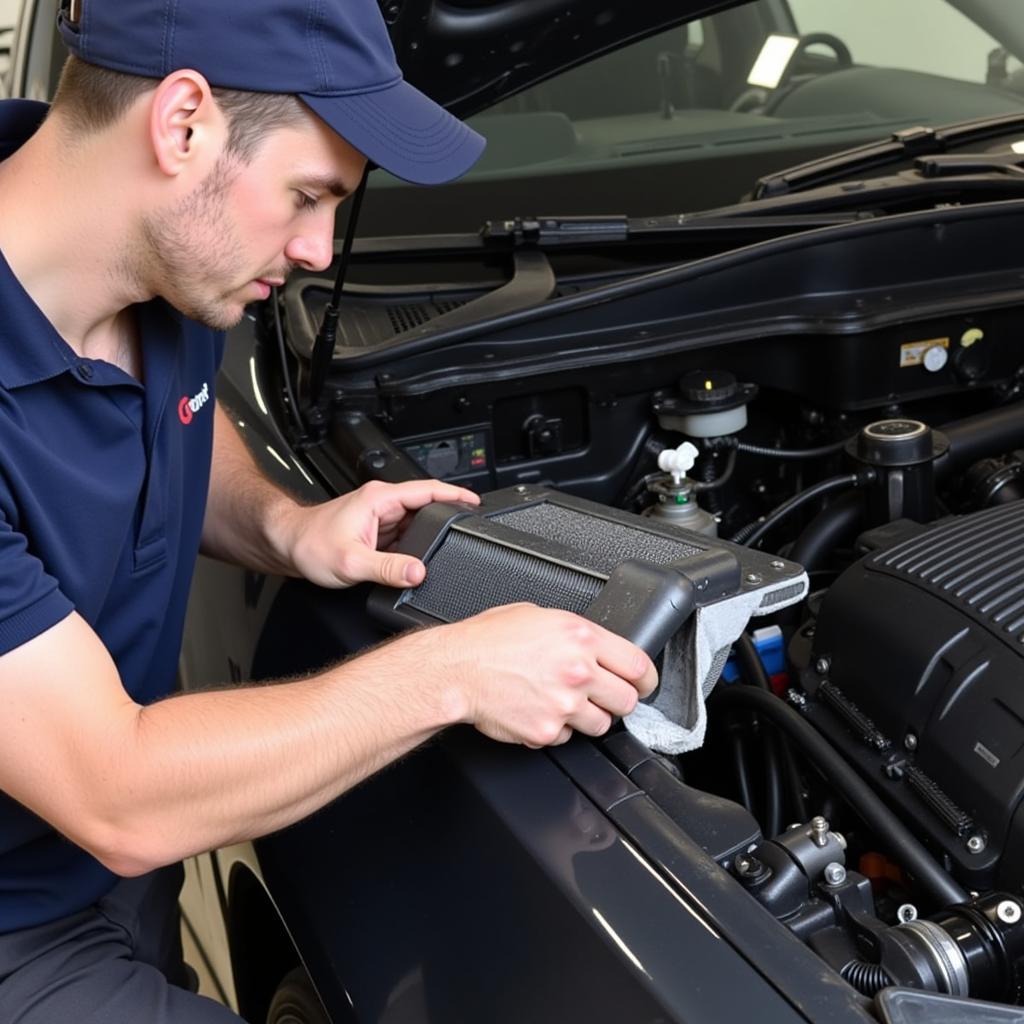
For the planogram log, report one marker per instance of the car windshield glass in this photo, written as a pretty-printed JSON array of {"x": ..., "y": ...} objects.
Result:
[{"x": 691, "y": 117}]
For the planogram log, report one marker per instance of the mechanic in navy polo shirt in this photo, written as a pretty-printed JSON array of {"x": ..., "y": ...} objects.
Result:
[{"x": 195, "y": 154}]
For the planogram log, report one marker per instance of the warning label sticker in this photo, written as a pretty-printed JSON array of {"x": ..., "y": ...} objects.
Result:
[{"x": 912, "y": 353}]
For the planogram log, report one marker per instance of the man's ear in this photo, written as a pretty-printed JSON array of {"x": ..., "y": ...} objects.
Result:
[{"x": 185, "y": 125}]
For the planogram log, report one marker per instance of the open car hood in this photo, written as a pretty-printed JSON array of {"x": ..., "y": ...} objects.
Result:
[{"x": 468, "y": 54}]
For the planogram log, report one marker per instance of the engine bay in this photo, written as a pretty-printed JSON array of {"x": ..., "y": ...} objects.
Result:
[{"x": 859, "y": 776}]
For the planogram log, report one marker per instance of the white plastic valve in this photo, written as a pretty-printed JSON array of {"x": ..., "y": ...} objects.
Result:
[{"x": 678, "y": 461}]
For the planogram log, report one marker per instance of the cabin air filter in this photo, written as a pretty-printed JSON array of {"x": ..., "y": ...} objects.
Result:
[{"x": 673, "y": 592}]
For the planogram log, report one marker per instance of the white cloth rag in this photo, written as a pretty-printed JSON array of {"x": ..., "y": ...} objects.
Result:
[{"x": 675, "y": 719}]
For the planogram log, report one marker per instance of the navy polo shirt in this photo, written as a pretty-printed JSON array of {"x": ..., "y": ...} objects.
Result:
[{"x": 103, "y": 483}]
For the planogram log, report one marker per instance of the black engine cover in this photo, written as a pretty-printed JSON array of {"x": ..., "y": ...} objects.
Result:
[{"x": 919, "y": 677}]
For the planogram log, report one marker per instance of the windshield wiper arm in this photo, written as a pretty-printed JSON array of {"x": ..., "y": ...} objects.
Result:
[
  {"x": 549, "y": 231},
  {"x": 900, "y": 146},
  {"x": 581, "y": 232},
  {"x": 949, "y": 164}
]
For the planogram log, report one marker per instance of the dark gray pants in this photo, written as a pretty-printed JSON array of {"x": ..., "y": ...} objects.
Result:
[{"x": 106, "y": 965}]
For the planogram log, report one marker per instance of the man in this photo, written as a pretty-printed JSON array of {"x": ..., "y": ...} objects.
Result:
[{"x": 195, "y": 154}]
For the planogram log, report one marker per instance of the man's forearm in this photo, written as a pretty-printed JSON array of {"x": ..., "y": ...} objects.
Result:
[
  {"x": 202, "y": 778},
  {"x": 143, "y": 786},
  {"x": 242, "y": 506}
]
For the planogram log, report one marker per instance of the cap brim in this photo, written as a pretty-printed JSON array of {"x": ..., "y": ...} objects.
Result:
[{"x": 402, "y": 130}]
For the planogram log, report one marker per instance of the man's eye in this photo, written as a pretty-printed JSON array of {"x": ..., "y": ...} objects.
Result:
[{"x": 306, "y": 201}]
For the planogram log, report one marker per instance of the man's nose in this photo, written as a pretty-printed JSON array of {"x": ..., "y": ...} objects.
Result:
[{"x": 314, "y": 248}]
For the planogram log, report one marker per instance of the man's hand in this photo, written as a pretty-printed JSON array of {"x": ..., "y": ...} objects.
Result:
[
  {"x": 253, "y": 523},
  {"x": 532, "y": 675},
  {"x": 347, "y": 540}
]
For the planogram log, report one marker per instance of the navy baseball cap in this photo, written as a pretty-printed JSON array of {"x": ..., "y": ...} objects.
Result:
[{"x": 335, "y": 55}]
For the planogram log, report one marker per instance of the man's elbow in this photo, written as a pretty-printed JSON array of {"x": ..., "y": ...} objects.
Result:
[{"x": 125, "y": 851}]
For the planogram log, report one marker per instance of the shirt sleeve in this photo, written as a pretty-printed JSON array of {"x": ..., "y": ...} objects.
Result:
[{"x": 30, "y": 599}]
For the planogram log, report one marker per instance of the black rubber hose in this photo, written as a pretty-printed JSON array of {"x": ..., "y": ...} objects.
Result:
[
  {"x": 739, "y": 756},
  {"x": 791, "y": 453},
  {"x": 791, "y": 773},
  {"x": 772, "y": 824},
  {"x": 639, "y": 487},
  {"x": 902, "y": 843},
  {"x": 867, "y": 978},
  {"x": 780, "y": 767},
  {"x": 827, "y": 530},
  {"x": 753, "y": 532},
  {"x": 973, "y": 438},
  {"x": 709, "y": 483},
  {"x": 751, "y": 665}
]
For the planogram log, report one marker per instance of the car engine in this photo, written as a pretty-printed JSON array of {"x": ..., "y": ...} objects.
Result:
[
  {"x": 894, "y": 713},
  {"x": 858, "y": 775},
  {"x": 899, "y": 704}
]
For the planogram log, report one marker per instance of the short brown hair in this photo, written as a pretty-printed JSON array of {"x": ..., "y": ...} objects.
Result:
[{"x": 92, "y": 98}]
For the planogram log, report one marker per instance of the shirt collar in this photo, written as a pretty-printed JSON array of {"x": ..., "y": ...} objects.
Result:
[{"x": 32, "y": 350}]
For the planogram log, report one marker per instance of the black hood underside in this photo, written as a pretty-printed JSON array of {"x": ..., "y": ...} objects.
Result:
[{"x": 468, "y": 54}]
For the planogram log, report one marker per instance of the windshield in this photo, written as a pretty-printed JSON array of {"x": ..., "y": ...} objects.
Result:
[{"x": 690, "y": 118}]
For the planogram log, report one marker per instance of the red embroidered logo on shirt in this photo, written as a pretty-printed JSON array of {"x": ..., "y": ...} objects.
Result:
[{"x": 188, "y": 407}]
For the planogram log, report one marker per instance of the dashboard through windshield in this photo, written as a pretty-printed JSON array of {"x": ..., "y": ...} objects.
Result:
[{"x": 689, "y": 118}]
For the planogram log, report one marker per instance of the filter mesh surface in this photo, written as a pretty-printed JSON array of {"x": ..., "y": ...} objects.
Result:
[
  {"x": 468, "y": 575},
  {"x": 600, "y": 544}
]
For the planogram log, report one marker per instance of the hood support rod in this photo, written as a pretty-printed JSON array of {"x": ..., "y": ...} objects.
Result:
[{"x": 323, "y": 348}]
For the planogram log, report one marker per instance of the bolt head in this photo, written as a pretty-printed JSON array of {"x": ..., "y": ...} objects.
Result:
[
  {"x": 910, "y": 741},
  {"x": 752, "y": 577},
  {"x": 835, "y": 873},
  {"x": 1008, "y": 911},
  {"x": 747, "y": 865},
  {"x": 778, "y": 564},
  {"x": 976, "y": 844},
  {"x": 822, "y": 665},
  {"x": 906, "y": 912}
]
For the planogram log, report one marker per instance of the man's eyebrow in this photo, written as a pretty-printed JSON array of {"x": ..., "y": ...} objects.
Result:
[{"x": 327, "y": 183}]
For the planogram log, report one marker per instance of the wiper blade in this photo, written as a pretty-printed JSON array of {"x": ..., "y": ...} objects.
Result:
[{"x": 900, "y": 146}]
